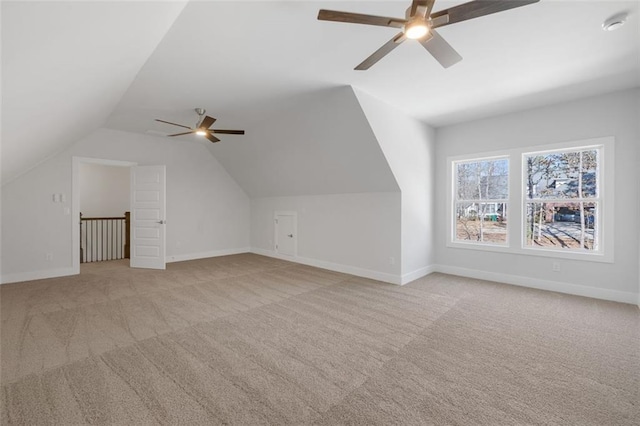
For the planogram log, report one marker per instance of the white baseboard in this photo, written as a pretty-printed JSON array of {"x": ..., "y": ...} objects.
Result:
[
  {"x": 202, "y": 255},
  {"x": 336, "y": 267},
  {"x": 418, "y": 273},
  {"x": 560, "y": 287},
  {"x": 63, "y": 272},
  {"x": 567, "y": 288},
  {"x": 38, "y": 275}
]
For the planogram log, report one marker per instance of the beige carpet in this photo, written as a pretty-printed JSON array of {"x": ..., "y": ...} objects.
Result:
[{"x": 251, "y": 340}]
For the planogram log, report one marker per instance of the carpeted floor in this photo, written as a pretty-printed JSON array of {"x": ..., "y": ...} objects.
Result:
[{"x": 251, "y": 340}]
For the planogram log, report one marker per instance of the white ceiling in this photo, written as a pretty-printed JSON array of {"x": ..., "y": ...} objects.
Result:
[{"x": 245, "y": 62}]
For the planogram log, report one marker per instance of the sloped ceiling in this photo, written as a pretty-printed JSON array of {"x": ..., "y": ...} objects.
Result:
[
  {"x": 248, "y": 62},
  {"x": 322, "y": 144},
  {"x": 65, "y": 66}
]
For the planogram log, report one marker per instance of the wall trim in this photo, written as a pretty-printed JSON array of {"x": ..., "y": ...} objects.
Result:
[
  {"x": 418, "y": 273},
  {"x": 37, "y": 275},
  {"x": 336, "y": 267},
  {"x": 205, "y": 254},
  {"x": 557, "y": 286},
  {"x": 560, "y": 287}
]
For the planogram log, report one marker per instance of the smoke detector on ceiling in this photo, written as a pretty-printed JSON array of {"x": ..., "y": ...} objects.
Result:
[{"x": 614, "y": 22}]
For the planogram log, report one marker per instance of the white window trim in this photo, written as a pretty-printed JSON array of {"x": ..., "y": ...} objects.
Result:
[
  {"x": 483, "y": 244},
  {"x": 515, "y": 228}
]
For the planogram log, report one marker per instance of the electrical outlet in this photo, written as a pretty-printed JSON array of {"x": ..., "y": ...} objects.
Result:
[
  {"x": 48, "y": 256},
  {"x": 555, "y": 267}
]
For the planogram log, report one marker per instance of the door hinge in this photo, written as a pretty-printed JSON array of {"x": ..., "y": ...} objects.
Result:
[{"x": 276, "y": 220}]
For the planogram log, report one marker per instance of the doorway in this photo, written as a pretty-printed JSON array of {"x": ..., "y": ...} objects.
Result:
[
  {"x": 286, "y": 235},
  {"x": 104, "y": 212},
  {"x": 100, "y": 189},
  {"x": 147, "y": 191}
]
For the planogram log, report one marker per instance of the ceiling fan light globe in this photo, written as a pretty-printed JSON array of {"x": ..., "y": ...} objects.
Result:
[
  {"x": 201, "y": 133},
  {"x": 416, "y": 29}
]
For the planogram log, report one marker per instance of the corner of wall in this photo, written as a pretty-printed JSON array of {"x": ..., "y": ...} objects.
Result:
[
  {"x": 409, "y": 147},
  {"x": 336, "y": 267}
]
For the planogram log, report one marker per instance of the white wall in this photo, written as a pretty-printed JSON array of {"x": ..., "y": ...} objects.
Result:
[
  {"x": 638, "y": 186},
  {"x": 615, "y": 115},
  {"x": 104, "y": 190},
  {"x": 207, "y": 212},
  {"x": 353, "y": 233},
  {"x": 409, "y": 147}
]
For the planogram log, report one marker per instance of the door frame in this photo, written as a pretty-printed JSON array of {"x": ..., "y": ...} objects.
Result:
[
  {"x": 294, "y": 214},
  {"x": 75, "y": 201}
]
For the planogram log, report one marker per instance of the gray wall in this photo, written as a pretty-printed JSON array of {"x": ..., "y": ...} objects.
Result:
[
  {"x": 614, "y": 114},
  {"x": 409, "y": 147},
  {"x": 207, "y": 212}
]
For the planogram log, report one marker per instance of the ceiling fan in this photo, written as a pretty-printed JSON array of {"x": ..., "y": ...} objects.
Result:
[
  {"x": 202, "y": 127},
  {"x": 420, "y": 24}
]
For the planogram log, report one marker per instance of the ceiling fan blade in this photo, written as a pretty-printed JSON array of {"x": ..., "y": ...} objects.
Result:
[
  {"x": 206, "y": 122},
  {"x": 477, "y": 8},
  {"x": 357, "y": 18},
  {"x": 421, "y": 7},
  {"x": 228, "y": 132},
  {"x": 180, "y": 134},
  {"x": 382, "y": 52},
  {"x": 173, "y": 124},
  {"x": 211, "y": 138},
  {"x": 441, "y": 50}
]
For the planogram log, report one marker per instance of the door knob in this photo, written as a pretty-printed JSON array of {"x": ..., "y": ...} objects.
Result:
[
  {"x": 290, "y": 235},
  {"x": 162, "y": 222}
]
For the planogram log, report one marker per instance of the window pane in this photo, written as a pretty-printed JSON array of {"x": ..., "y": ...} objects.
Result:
[
  {"x": 482, "y": 180},
  {"x": 481, "y": 222},
  {"x": 568, "y": 226},
  {"x": 562, "y": 175}
]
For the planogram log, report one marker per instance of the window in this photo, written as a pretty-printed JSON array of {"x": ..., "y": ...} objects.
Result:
[
  {"x": 562, "y": 199},
  {"x": 553, "y": 200},
  {"x": 481, "y": 194}
]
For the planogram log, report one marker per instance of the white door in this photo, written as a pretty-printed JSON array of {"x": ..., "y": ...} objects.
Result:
[
  {"x": 148, "y": 185},
  {"x": 286, "y": 238}
]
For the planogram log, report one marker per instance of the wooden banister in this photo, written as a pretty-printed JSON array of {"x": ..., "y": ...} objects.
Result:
[{"x": 104, "y": 238}]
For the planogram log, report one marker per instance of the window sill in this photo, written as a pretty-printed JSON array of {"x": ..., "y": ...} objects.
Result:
[
  {"x": 538, "y": 252},
  {"x": 480, "y": 246}
]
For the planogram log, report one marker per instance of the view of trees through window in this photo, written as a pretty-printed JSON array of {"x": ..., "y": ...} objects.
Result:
[
  {"x": 481, "y": 193},
  {"x": 562, "y": 199}
]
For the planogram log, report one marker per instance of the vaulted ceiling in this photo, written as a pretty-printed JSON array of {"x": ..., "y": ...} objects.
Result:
[{"x": 69, "y": 68}]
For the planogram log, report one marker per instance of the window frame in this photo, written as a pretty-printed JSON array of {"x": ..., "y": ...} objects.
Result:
[
  {"x": 597, "y": 199},
  {"x": 504, "y": 201},
  {"x": 516, "y": 243}
]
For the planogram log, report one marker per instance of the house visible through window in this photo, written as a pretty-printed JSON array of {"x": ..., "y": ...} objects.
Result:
[
  {"x": 481, "y": 194},
  {"x": 562, "y": 199},
  {"x": 553, "y": 200}
]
